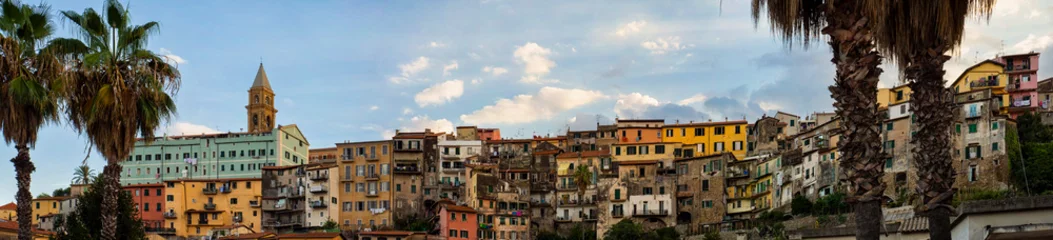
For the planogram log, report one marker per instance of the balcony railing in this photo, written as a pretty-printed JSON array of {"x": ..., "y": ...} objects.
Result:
[
  {"x": 404, "y": 169},
  {"x": 169, "y": 215},
  {"x": 568, "y": 186},
  {"x": 236, "y": 219},
  {"x": 563, "y": 219},
  {"x": 286, "y": 223},
  {"x": 319, "y": 189},
  {"x": 225, "y": 189},
  {"x": 318, "y": 204},
  {"x": 210, "y": 191},
  {"x": 210, "y": 206},
  {"x": 372, "y": 193},
  {"x": 1020, "y": 103},
  {"x": 651, "y": 213},
  {"x": 254, "y": 203},
  {"x": 275, "y": 207},
  {"x": 320, "y": 177},
  {"x": 984, "y": 83}
]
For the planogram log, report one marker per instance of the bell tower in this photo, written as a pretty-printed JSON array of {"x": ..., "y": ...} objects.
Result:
[{"x": 261, "y": 111}]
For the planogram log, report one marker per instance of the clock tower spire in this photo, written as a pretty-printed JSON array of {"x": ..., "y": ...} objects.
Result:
[{"x": 261, "y": 111}]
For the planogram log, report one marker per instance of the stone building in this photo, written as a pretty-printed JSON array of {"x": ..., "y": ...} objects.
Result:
[
  {"x": 416, "y": 155},
  {"x": 981, "y": 160},
  {"x": 699, "y": 192},
  {"x": 284, "y": 189}
]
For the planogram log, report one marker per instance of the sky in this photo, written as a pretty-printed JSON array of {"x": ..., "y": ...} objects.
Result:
[{"x": 359, "y": 70}]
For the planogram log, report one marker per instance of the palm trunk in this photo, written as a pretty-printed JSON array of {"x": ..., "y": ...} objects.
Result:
[
  {"x": 855, "y": 92},
  {"x": 931, "y": 104},
  {"x": 24, "y": 168},
  {"x": 111, "y": 188}
]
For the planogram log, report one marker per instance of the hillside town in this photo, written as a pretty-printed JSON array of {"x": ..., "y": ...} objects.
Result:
[{"x": 694, "y": 176}]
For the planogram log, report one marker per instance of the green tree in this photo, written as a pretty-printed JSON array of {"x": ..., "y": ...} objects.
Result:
[
  {"x": 583, "y": 178},
  {"x": 711, "y": 235},
  {"x": 61, "y": 192},
  {"x": 545, "y": 235},
  {"x": 801, "y": 205},
  {"x": 43, "y": 195},
  {"x": 31, "y": 83},
  {"x": 1032, "y": 130},
  {"x": 330, "y": 226},
  {"x": 849, "y": 26},
  {"x": 84, "y": 223},
  {"x": 83, "y": 175},
  {"x": 626, "y": 230},
  {"x": 579, "y": 232},
  {"x": 769, "y": 225},
  {"x": 917, "y": 35},
  {"x": 123, "y": 90},
  {"x": 1038, "y": 161},
  {"x": 666, "y": 233}
]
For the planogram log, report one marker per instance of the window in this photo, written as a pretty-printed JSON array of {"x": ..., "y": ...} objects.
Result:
[
  {"x": 233, "y": 201},
  {"x": 668, "y": 133},
  {"x": 700, "y": 132},
  {"x": 453, "y": 233},
  {"x": 899, "y": 95},
  {"x": 737, "y": 145},
  {"x": 630, "y": 150},
  {"x": 972, "y": 128},
  {"x": 888, "y": 163},
  {"x": 617, "y": 195},
  {"x": 718, "y": 130},
  {"x": 705, "y": 185},
  {"x": 146, "y": 207},
  {"x": 791, "y": 122},
  {"x": 972, "y": 173},
  {"x": 169, "y": 198},
  {"x": 647, "y": 190},
  {"x": 957, "y": 128},
  {"x": 738, "y": 129},
  {"x": 994, "y": 146},
  {"x": 464, "y": 234},
  {"x": 618, "y": 151},
  {"x": 890, "y": 145},
  {"x": 888, "y": 127},
  {"x": 994, "y": 126},
  {"x": 718, "y": 147}
]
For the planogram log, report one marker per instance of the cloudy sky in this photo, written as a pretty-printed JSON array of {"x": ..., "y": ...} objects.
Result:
[{"x": 359, "y": 70}]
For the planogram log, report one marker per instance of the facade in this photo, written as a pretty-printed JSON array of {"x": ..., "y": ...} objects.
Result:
[
  {"x": 45, "y": 207},
  {"x": 415, "y": 153},
  {"x": 458, "y": 222},
  {"x": 9, "y": 212},
  {"x": 709, "y": 137},
  {"x": 502, "y": 206},
  {"x": 574, "y": 206},
  {"x": 981, "y": 160},
  {"x": 453, "y": 155},
  {"x": 699, "y": 196},
  {"x": 792, "y": 122},
  {"x": 639, "y": 130},
  {"x": 487, "y": 134},
  {"x": 986, "y": 75},
  {"x": 1045, "y": 96},
  {"x": 261, "y": 112},
  {"x": 1022, "y": 70},
  {"x": 322, "y": 201},
  {"x": 324, "y": 155},
  {"x": 150, "y": 200},
  {"x": 579, "y": 141},
  {"x": 283, "y": 198},
  {"x": 365, "y": 179},
  {"x": 203, "y": 207}
]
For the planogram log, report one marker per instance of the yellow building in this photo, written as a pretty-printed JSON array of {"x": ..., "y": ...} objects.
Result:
[
  {"x": 9, "y": 212},
  {"x": 366, "y": 184},
  {"x": 644, "y": 151},
  {"x": 763, "y": 183},
  {"x": 883, "y": 97},
  {"x": 199, "y": 206},
  {"x": 708, "y": 137},
  {"x": 46, "y": 206},
  {"x": 984, "y": 75}
]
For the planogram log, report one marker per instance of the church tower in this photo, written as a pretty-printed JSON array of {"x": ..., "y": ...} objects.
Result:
[{"x": 261, "y": 111}]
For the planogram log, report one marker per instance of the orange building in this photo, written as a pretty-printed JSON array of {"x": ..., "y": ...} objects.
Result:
[
  {"x": 150, "y": 201},
  {"x": 458, "y": 222},
  {"x": 639, "y": 130},
  {"x": 9, "y": 212}
]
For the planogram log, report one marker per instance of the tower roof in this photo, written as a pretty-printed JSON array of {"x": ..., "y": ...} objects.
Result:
[{"x": 261, "y": 79}]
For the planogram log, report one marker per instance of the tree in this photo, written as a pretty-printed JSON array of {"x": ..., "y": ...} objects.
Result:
[
  {"x": 626, "y": 230},
  {"x": 83, "y": 175},
  {"x": 801, "y": 205},
  {"x": 61, "y": 192},
  {"x": 84, "y": 222},
  {"x": 666, "y": 233},
  {"x": 849, "y": 26},
  {"x": 579, "y": 232},
  {"x": 1032, "y": 130},
  {"x": 545, "y": 235},
  {"x": 711, "y": 235},
  {"x": 769, "y": 225},
  {"x": 916, "y": 35},
  {"x": 331, "y": 226},
  {"x": 29, "y": 78},
  {"x": 122, "y": 90},
  {"x": 43, "y": 195},
  {"x": 583, "y": 178}
]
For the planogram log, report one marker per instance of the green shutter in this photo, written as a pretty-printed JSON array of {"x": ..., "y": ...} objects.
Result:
[
  {"x": 888, "y": 126},
  {"x": 994, "y": 125},
  {"x": 888, "y": 163},
  {"x": 994, "y": 146},
  {"x": 958, "y": 128},
  {"x": 972, "y": 128}
]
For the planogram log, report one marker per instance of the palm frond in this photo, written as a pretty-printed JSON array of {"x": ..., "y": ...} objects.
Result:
[{"x": 912, "y": 27}]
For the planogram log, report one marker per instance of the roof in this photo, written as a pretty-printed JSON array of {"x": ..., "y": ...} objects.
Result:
[
  {"x": 261, "y": 79},
  {"x": 214, "y": 180},
  {"x": 538, "y": 153},
  {"x": 961, "y": 76},
  {"x": 320, "y": 235},
  {"x": 363, "y": 142},
  {"x": 1020, "y": 55},
  {"x": 915, "y": 224},
  {"x": 280, "y": 167},
  {"x": 387, "y": 233},
  {"x": 1002, "y": 206},
  {"x": 637, "y": 162},
  {"x": 786, "y": 113},
  {"x": 12, "y": 226},
  {"x": 262, "y": 235},
  {"x": 640, "y": 120},
  {"x": 142, "y": 185},
  {"x": 510, "y": 141},
  {"x": 585, "y": 154},
  {"x": 707, "y": 123},
  {"x": 50, "y": 198},
  {"x": 9, "y": 206},
  {"x": 456, "y": 208},
  {"x": 707, "y": 156},
  {"x": 321, "y": 166}
]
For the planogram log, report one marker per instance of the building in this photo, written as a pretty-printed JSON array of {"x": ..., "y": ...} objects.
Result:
[
  {"x": 579, "y": 141},
  {"x": 150, "y": 200},
  {"x": 792, "y": 122},
  {"x": 1022, "y": 70},
  {"x": 487, "y": 134},
  {"x": 574, "y": 206},
  {"x": 1015, "y": 218},
  {"x": 502, "y": 206},
  {"x": 639, "y": 130},
  {"x": 9, "y": 212},
  {"x": 311, "y": 236},
  {"x": 1045, "y": 93},
  {"x": 203, "y": 207},
  {"x": 699, "y": 196},
  {"x": 283, "y": 198},
  {"x": 390, "y": 235},
  {"x": 650, "y": 186},
  {"x": 542, "y": 184},
  {"x": 45, "y": 207},
  {"x": 608, "y": 135},
  {"x": 322, "y": 201},
  {"x": 708, "y": 137},
  {"x": 462, "y": 222},
  {"x": 980, "y": 157},
  {"x": 986, "y": 75},
  {"x": 324, "y": 155},
  {"x": 221, "y": 155},
  {"x": 366, "y": 179},
  {"x": 415, "y": 153},
  {"x": 9, "y": 230},
  {"x": 453, "y": 155}
]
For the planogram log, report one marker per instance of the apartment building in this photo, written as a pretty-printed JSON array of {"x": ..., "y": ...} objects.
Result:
[
  {"x": 542, "y": 183},
  {"x": 503, "y": 207},
  {"x": 324, "y": 155},
  {"x": 792, "y": 122},
  {"x": 458, "y": 222},
  {"x": 283, "y": 198},
  {"x": 149, "y": 199},
  {"x": 322, "y": 201},
  {"x": 1022, "y": 71},
  {"x": 709, "y": 137},
  {"x": 981, "y": 159},
  {"x": 203, "y": 207},
  {"x": 9, "y": 212},
  {"x": 415, "y": 153},
  {"x": 579, "y": 141},
  {"x": 367, "y": 185},
  {"x": 574, "y": 206},
  {"x": 699, "y": 197},
  {"x": 1045, "y": 96},
  {"x": 453, "y": 155},
  {"x": 45, "y": 207},
  {"x": 639, "y": 130}
]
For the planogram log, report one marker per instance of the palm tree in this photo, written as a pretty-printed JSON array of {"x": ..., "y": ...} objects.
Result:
[
  {"x": 849, "y": 25},
  {"x": 582, "y": 178},
  {"x": 121, "y": 90},
  {"x": 917, "y": 35},
  {"x": 83, "y": 175},
  {"x": 28, "y": 77}
]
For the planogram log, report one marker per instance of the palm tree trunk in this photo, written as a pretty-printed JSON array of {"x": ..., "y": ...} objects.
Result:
[
  {"x": 24, "y": 168},
  {"x": 932, "y": 105},
  {"x": 855, "y": 92},
  {"x": 111, "y": 188}
]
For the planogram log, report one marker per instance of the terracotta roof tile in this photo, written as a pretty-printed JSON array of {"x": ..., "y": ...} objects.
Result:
[
  {"x": 638, "y": 162},
  {"x": 915, "y": 224},
  {"x": 456, "y": 208},
  {"x": 309, "y": 235},
  {"x": 585, "y": 154},
  {"x": 262, "y": 235},
  {"x": 387, "y": 233},
  {"x": 10, "y": 206}
]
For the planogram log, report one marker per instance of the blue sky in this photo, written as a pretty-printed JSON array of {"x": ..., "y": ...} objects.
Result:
[{"x": 358, "y": 70}]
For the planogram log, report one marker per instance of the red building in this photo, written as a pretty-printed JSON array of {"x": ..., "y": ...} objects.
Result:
[
  {"x": 150, "y": 201},
  {"x": 487, "y": 134},
  {"x": 458, "y": 222}
]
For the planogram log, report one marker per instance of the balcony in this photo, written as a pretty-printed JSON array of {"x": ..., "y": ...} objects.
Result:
[
  {"x": 210, "y": 206},
  {"x": 372, "y": 158},
  {"x": 406, "y": 169},
  {"x": 453, "y": 170},
  {"x": 254, "y": 203},
  {"x": 563, "y": 219},
  {"x": 320, "y": 177},
  {"x": 318, "y": 204},
  {"x": 567, "y": 187},
  {"x": 1017, "y": 68},
  {"x": 170, "y": 215},
  {"x": 225, "y": 189},
  {"x": 286, "y": 223},
  {"x": 319, "y": 189},
  {"x": 738, "y": 174},
  {"x": 372, "y": 177},
  {"x": 991, "y": 82},
  {"x": 651, "y": 213},
  {"x": 1020, "y": 103},
  {"x": 275, "y": 207},
  {"x": 575, "y": 202},
  {"x": 617, "y": 214},
  {"x": 236, "y": 219},
  {"x": 347, "y": 158},
  {"x": 210, "y": 191},
  {"x": 372, "y": 193}
]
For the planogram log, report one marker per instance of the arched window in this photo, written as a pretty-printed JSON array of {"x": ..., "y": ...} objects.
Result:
[
  {"x": 257, "y": 100},
  {"x": 255, "y": 120}
]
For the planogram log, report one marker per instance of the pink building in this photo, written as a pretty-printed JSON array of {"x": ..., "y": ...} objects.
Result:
[
  {"x": 1022, "y": 70},
  {"x": 458, "y": 222}
]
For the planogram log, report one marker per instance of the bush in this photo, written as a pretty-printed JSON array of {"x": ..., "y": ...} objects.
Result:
[
  {"x": 801, "y": 206},
  {"x": 830, "y": 204}
]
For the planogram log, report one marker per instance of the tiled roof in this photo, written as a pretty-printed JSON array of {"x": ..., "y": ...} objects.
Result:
[
  {"x": 456, "y": 208},
  {"x": 143, "y": 185},
  {"x": 916, "y": 224},
  {"x": 690, "y": 124},
  {"x": 322, "y": 235},
  {"x": 638, "y": 162},
  {"x": 214, "y": 180},
  {"x": 10, "y": 206},
  {"x": 585, "y": 154},
  {"x": 387, "y": 233},
  {"x": 50, "y": 198},
  {"x": 262, "y": 235},
  {"x": 12, "y": 226}
]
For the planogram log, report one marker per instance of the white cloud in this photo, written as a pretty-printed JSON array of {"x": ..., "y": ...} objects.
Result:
[
  {"x": 446, "y": 69},
  {"x": 172, "y": 58},
  {"x": 1033, "y": 43},
  {"x": 410, "y": 69},
  {"x": 529, "y": 108},
  {"x": 419, "y": 123},
  {"x": 387, "y": 134},
  {"x": 474, "y": 56},
  {"x": 185, "y": 128},
  {"x": 374, "y": 108},
  {"x": 693, "y": 99},
  {"x": 406, "y": 111},
  {"x": 536, "y": 64},
  {"x": 477, "y": 81},
  {"x": 630, "y": 28},
  {"x": 663, "y": 45},
  {"x": 634, "y": 104},
  {"x": 496, "y": 71},
  {"x": 440, "y": 93},
  {"x": 573, "y": 49},
  {"x": 436, "y": 45},
  {"x": 768, "y": 106},
  {"x": 289, "y": 102}
]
